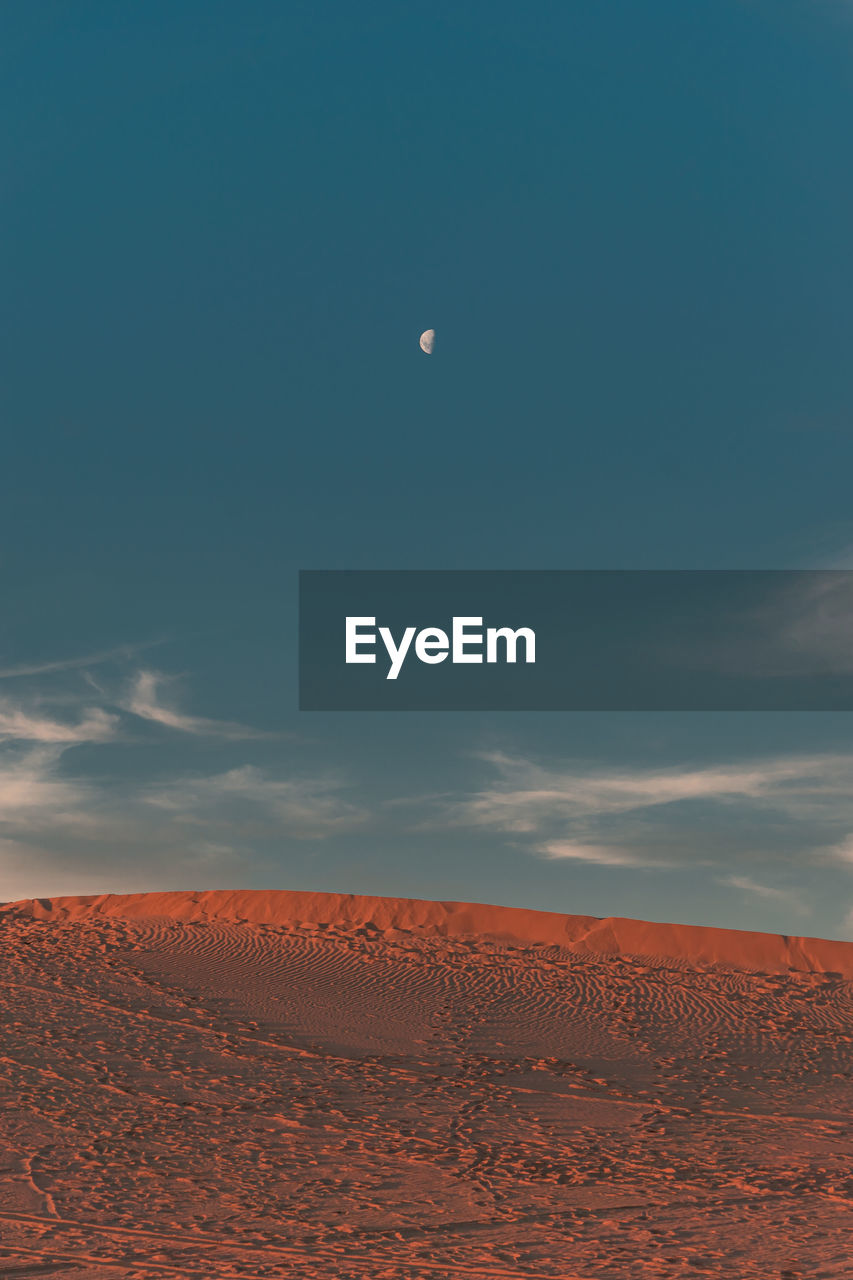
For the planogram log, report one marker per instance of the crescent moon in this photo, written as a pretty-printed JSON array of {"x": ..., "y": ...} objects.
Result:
[{"x": 427, "y": 341}]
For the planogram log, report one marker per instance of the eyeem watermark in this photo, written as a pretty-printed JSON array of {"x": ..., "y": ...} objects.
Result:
[
  {"x": 575, "y": 640},
  {"x": 466, "y": 643}
]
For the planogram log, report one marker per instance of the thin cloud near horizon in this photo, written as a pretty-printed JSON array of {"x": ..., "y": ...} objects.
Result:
[
  {"x": 607, "y": 817},
  {"x": 747, "y": 885},
  {"x": 523, "y": 793}
]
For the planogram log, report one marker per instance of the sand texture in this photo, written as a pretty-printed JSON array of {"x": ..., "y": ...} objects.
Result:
[{"x": 221, "y": 1085}]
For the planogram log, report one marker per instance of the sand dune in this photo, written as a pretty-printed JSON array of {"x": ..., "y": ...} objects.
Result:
[
  {"x": 693, "y": 945},
  {"x": 221, "y": 1085}
]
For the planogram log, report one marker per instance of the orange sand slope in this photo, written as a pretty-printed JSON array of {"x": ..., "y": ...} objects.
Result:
[
  {"x": 290, "y": 1086},
  {"x": 694, "y": 945}
]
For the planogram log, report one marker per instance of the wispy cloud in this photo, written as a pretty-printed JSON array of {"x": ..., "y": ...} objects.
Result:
[
  {"x": 305, "y": 807},
  {"x": 71, "y": 821},
  {"x": 656, "y": 818},
  {"x": 22, "y": 725},
  {"x": 64, "y": 714},
  {"x": 842, "y": 851},
  {"x": 526, "y": 795},
  {"x": 599, "y": 855},
  {"x": 69, "y": 834},
  {"x": 812, "y": 621},
  {"x": 769, "y": 893},
  {"x": 32, "y": 794},
  {"x": 800, "y": 627},
  {"x": 121, "y": 653},
  {"x": 144, "y": 700}
]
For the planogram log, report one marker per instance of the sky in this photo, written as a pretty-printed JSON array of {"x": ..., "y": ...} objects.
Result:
[{"x": 224, "y": 227}]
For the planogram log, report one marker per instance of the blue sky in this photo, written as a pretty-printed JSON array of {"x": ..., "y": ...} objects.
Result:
[{"x": 224, "y": 227}]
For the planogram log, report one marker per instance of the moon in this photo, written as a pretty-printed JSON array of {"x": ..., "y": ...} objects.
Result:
[{"x": 427, "y": 341}]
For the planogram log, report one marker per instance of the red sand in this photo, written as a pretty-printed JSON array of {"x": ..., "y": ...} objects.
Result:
[
  {"x": 690, "y": 944},
  {"x": 216, "y": 1085}
]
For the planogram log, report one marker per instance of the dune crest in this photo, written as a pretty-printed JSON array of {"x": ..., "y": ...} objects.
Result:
[{"x": 693, "y": 945}]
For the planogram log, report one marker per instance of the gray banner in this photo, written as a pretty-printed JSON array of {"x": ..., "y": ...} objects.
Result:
[{"x": 606, "y": 640}]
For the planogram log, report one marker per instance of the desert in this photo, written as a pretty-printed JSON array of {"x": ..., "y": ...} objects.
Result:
[{"x": 253, "y": 1084}]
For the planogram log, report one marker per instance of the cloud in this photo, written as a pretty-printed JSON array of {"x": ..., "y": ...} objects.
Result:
[
  {"x": 68, "y": 834},
  {"x": 19, "y": 724},
  {"x": 600, "y": 855},
  {"x": 307, "y": 808},
  {"x": 815, "y": 621},
  {"x": 747, "y": 885},
  {"x": 33, "y": 795},
  {"x": 79, "y": 822},
  {"x": 144, "y": 702},
  {"x": 526, "y": 796},
  {"x": 121, "y": 652},
  {"x": 799, "y": 628},
  {"x": 659, "y": 817},
  {"x": 35, "y": 719},
  {"x": 842, "y": 851},
  {"x": 212, "y": 811}
]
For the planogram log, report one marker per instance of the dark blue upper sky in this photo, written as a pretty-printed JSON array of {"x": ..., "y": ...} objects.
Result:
[{"x": 224, "y": 227}]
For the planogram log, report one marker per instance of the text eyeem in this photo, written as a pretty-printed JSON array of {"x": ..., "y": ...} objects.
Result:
[{"x": 467, "y": 642}]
